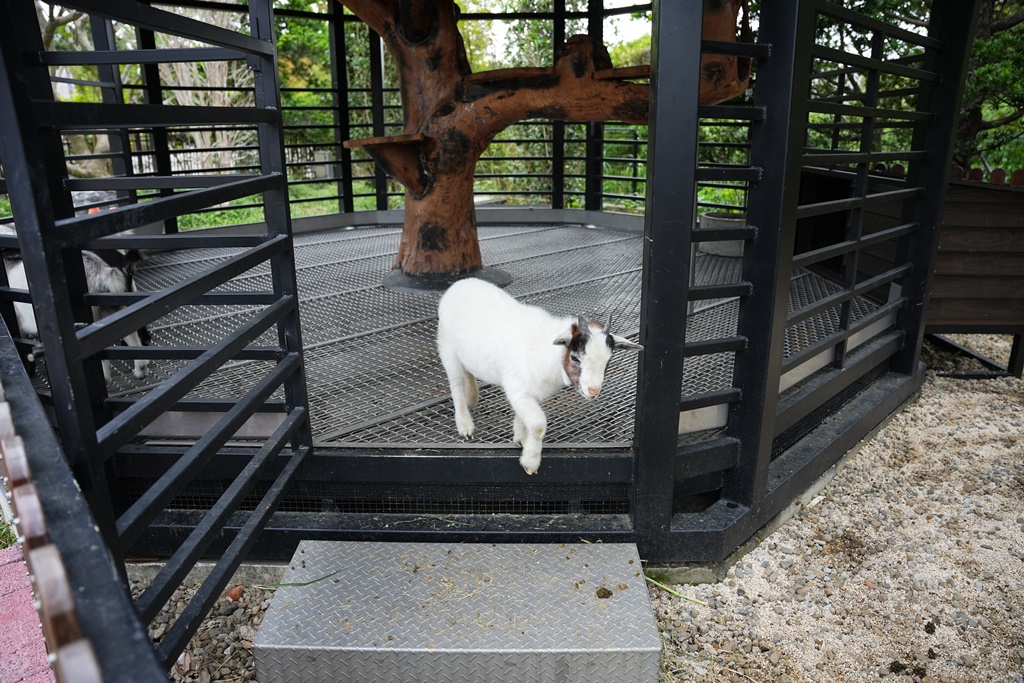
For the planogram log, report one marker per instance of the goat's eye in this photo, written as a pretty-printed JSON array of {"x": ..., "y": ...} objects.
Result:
[{"x": 575, "y": 358}]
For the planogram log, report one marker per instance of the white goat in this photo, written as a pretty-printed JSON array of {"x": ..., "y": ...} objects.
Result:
[
  {"x": 100, "y": 277},
  {"x": 483, "y": 333}
]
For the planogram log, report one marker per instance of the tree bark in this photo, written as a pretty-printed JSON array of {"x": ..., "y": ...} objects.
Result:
[{"x": 451, "y": 115}]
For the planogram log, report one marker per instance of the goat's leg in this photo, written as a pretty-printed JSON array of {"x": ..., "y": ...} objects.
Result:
[
  {"x": 472, "y": 391},
  {"x": 534, "y": 425},
  {"x": 141, "y": 370},
  {"x": 457, "y": 382},
  {"x": 518, "y": 431}
]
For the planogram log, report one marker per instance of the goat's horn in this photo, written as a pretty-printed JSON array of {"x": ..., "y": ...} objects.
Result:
[
  {"x": 608, "y": 324},
  {"x": 581, "y": 322}
]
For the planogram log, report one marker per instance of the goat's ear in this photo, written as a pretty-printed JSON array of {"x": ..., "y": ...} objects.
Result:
[
  {"x": 625, "y": 344},
  {"x": 563, "y": 339}
]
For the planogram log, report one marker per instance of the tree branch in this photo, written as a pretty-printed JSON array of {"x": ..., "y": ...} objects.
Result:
[
  {"x": 1007, "y": 22},
  {"x": 379, "y": 15},
  {"x": 1009, "y": 118}
]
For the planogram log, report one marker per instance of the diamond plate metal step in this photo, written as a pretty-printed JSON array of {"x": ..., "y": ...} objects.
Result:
[{"x": 473, "y": 612}]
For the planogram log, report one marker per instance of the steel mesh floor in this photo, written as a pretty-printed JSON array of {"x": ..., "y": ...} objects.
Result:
[{"x": 371, "y": 362}]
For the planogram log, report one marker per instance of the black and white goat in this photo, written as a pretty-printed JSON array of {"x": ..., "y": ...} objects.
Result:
[
  {"x": 110, "y": 272},
  {"x": 483, "y": 333}
]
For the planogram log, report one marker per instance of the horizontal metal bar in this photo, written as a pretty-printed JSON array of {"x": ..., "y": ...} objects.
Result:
[
  {"x": 822, "y": 107},
  {"x": 194, "y": 239},
  {"x": 247, "y": 299},
  {"x": 817, "y": 255},
  {"x": 202, "y": 405},
  {"x": 96, "y": 57},
  {"x": 841, "y": 57},
  {"x": 860, "y": 324},
  {"x": 183, "y": 353},
  {"x": 72, "y": 232},
  {"x": 842, "y": 296},
  {"x": 724, "y": 291},
  {"x": 151, "y": 182},
  {"x": 123, "y": 428},
  {"x": 711, "y": 398},
  {"x": 834, "y": 206},
  {"x": 202, "y": 602},
  {"x": 829, "y": 158},
  {"x": 798, "y": 358},
  {"x": 747, "y": 232},
  {"x": 718, "y": 111},
  {"x": 143, "y": 16},
  {"x": 155, "y": 499},
  {"x": 12, "y": 294},
  {"x": 722, "y": 47},
  {"x": 709, "y": 346},
  {"x": 837, "y": 11},
  {"x": 177, "y": 567},
  {"x": 749, "y": 174},
  {"x": 821, "y": 388},
  {"x": 69, "y": 116},
  {"x": 118, "y": 325},
  {"x": 716, "y": 455}
]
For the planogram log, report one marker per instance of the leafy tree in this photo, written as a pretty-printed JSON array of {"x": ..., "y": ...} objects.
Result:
[{"x": 993, "y": 108}]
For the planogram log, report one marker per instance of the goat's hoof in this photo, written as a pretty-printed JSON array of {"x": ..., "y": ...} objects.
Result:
[
  {"x": 530, "y": 464},
  {"x": 141, "y": 372}
]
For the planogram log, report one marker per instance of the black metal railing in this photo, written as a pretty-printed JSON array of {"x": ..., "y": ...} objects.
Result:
[{"x": 93, "y": 427}]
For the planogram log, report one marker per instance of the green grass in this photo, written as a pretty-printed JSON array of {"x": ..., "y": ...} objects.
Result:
[{"x": 8, "y": 536}]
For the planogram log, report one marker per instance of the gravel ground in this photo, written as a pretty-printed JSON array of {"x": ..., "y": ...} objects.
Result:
[{"x": 908, "y": 565}]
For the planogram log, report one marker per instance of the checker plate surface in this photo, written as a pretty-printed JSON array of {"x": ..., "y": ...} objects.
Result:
[{"x": 404, "y": 612}]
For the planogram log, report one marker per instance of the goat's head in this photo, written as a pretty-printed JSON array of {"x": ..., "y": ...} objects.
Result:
[{"x": 588, "y": 348}]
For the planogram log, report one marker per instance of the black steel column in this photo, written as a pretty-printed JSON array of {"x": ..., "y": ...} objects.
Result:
[
  {"x": 671, "y": 208},
  {"x": 594, "y": 188},
  {"x": 948, "y": 21},
  {"x": 112, "y": 92},
  {"x": 776, "y": 146},
  {"x": 558, "y": 127},
  {"x": 276, "y": 209},
  {"x": 377, "y": 106},
  {"x": 339, "y": 79},
  {"x": 154, "y": 95}
]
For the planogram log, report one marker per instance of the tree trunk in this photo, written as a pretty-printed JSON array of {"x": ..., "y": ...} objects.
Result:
[
  {"x": 451, "y": 115},
  {"x": 439, "y": 236}
]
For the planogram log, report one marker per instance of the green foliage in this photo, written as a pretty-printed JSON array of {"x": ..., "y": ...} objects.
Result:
[{"x": 8, "y": 535}]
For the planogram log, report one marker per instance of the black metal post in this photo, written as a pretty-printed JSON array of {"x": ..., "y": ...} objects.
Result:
[
  {"x": 776, "y": 145},
  {"x": 671, "y": 208},
  {"x": 594, "y": 189},
  {"x": 339, "y": 78},
  {"x": 112, "y": 92},
  {"x": 154, "y": 94},
  {"x": 558, "y": 127},
  {"x": 278, "y": 216},
  {"x": 948, "y": 20},
  {"x": 377, "y": 107}
]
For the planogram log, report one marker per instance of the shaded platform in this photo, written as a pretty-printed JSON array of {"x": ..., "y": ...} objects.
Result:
[{"x": 372, "y": 368}]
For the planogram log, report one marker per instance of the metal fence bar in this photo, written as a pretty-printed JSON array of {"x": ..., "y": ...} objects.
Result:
[
  {"x": 134, "y": 520},
  {"x": 177, "y": 566},
  {"x": 123, "y": 428},
  {"x": 191, "y": 618}
]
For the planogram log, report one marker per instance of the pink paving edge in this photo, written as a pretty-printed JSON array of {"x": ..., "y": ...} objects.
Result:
[{"x": 22, "y": 650}]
